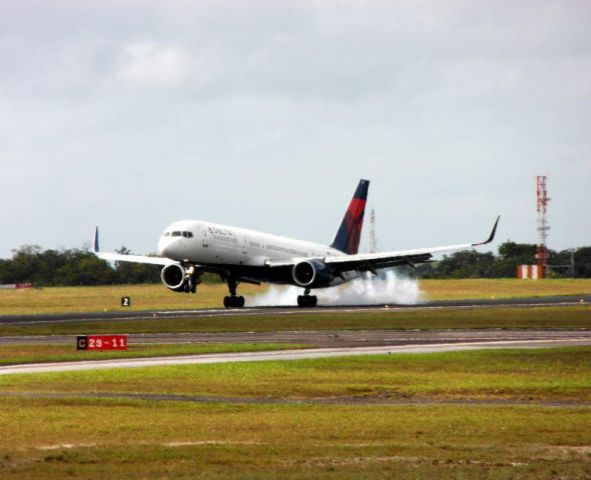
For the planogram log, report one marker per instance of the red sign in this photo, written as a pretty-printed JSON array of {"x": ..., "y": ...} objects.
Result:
[
  {"x": 102, "y": 342},
  {"x": 17, "y": 285}
]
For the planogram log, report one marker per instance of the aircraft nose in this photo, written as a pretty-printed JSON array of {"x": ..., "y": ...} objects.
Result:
[{"x": 165, "y": 245}]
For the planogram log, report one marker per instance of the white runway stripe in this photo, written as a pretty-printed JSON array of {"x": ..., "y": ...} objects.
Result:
[{"x": 283, "y": 355}]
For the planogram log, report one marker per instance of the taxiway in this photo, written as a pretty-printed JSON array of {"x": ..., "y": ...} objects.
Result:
[
  {"x": 389, "y": 342},
  {"x": 122, "y": 314}
]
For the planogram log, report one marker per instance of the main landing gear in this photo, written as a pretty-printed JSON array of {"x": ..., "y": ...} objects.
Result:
[
  {"x": 233, "y": 301},
  {"x": 307, "y": 300}
]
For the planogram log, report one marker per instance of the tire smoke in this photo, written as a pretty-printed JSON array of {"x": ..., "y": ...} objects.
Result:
[{"x": 387, "y": 287}]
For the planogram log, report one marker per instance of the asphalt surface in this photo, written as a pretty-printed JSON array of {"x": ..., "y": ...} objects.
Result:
[
  {"x": 323, "y": 344},
  {"x": 258, "y": 311},
  {"x": 429, "y": 342},
  {"x": 330, "y": 338}
]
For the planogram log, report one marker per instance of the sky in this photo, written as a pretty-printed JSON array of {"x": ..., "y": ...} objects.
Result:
[{"x": 133, "y": 114}]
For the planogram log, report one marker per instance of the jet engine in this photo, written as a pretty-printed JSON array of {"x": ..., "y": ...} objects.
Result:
[
  {"x": 311, "y": 274},
  {"x": 174, "y": 277}
]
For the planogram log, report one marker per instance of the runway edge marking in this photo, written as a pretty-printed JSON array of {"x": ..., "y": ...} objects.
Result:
[{"x": 280, "y": 355}]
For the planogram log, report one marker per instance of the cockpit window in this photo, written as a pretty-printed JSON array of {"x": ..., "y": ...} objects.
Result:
[
  {"x": 178, "y": 233},
  {"x": 185, "y": 234}
]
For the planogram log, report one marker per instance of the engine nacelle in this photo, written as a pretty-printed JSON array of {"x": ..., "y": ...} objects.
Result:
[
  {"x": 311, "y": 274},
  {"x": 174, "y": 277}
]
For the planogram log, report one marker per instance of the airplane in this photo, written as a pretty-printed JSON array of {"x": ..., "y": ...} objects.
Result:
[{"x": 189, "y": 248}]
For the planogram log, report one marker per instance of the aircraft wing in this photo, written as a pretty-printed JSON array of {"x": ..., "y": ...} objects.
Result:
[
  {"x": 375, "y": 261},
  {"x": 119, "y": 257}
]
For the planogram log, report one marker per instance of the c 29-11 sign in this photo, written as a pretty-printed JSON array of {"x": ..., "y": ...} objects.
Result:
[{"x": 101, "y": 342}]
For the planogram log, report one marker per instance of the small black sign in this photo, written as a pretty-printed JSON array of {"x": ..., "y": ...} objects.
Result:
[
  {"x": 126, "y": 301},
  {"x": 81, "y": 342}
]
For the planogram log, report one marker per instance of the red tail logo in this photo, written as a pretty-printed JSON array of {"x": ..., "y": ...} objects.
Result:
[{"x": 349, "y": 233}]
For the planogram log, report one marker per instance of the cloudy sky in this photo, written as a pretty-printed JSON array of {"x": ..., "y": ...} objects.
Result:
[{"x": 130, "y": 115}]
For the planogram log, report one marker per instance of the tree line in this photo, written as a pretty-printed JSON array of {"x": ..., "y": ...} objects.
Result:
[
  {"x": 71, "y": 267},
  {"x": 79, "y": 267},
  {"x": 473, "y": 264}
]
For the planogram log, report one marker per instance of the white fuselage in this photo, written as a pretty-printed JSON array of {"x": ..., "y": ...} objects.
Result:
[{"x": 213, "y": 244}]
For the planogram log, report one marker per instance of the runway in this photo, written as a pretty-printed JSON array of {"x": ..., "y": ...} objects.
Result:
[
  {"x": 396, "y": 342},
  {"x": 328, "y": 338},
  {"x": 317, "y": 344},
  {"x": 261, "y": 311}
]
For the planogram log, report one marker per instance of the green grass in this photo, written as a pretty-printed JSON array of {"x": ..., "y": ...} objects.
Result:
[
  {"x": 503, "y": 288},
  {"x": 149, "y": 297},
  {"x": 540, "y": 374},
  {"x": 502, "y": 317},
  {"x": 108, "y": 298},
  {"x": 50, "y": 438},
  {"x": 107, "y": 438},
  {"x": 19, "y": 354}
]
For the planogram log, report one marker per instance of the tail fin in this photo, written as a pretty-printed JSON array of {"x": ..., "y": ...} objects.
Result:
[{"x": 349, "y": 233}]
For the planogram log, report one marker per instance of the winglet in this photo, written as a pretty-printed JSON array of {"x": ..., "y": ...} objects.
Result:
[
  {"x": 95, "y": 242},
  {"x": 492, "y": 234}
]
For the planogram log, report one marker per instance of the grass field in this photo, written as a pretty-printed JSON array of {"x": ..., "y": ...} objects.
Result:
[
  {"x": 107, "y": 438},
  {"x": 50, "y": 438},
  {"x": 505, "y": 317},
  {"x": 502, "y": 288},
  {"x": 544, "y": 374},
  {"x": 147, "y": 297},
  {"x": 346, "y": 430}
]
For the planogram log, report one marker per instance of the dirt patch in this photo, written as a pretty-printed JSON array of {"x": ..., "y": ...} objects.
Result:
[{"x": 370, "y": 400}]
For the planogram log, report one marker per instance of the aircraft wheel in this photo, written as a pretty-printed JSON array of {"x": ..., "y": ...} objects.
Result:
[
  {"x": 307, "y": 300},
  {"x": 234, "y": 302}
]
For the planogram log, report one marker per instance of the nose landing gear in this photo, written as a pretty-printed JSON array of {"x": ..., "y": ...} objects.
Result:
[{"x": 193, "y": 277}]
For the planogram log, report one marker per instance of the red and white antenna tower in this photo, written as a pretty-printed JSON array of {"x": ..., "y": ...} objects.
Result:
[
  {"x": 543, "y": 227},
  {"x": 372, "y": 231}
]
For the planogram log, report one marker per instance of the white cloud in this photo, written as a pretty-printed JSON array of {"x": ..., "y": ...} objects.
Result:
[
  {"x": 270, "y": 112},
  {"x": 150, "y": 64}
]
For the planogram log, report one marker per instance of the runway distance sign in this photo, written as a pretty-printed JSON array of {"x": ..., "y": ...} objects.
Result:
[{"x": 101, "y": 342}]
